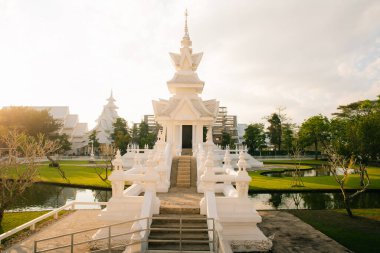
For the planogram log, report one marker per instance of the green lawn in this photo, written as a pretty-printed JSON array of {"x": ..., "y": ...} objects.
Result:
[
  {"x": 305, "y": 162},
  {"x": 83, "y": 175},
  {"x": 262, "y": 183},
  {"x": 78, "y": 162},
  {"x": 360, "y": 234},
  {"x": 77, "y": 175},
  {"x": 12, "y": 220}
]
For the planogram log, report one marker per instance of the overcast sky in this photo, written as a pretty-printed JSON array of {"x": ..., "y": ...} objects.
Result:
[{"x": 307, "y": 56}]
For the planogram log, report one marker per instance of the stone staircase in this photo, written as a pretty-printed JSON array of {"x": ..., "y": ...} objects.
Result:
[
  {"x": 165, "y": 237},
  {"x": 184, "y": 171}
]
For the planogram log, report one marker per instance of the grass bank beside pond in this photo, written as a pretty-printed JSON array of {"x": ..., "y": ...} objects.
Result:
[
  {"x": 359, "y": 234},
  {"x": 264, "y": 183},
  {"x": 12, "y": 220},
  {"x": 15, "y": 219},
  {"x": 84, "y": 174},
  {"x": 304, "y": 162}
]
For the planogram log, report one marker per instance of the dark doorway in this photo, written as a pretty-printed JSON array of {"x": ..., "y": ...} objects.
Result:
[{"x": 187, "y": 136}]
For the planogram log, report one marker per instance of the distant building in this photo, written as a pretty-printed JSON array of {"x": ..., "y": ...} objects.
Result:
[
  {"x": 104, "y": 123},
  {"x": 241, "y": 131},
  {"x": 75, "y": 130},
  {"x": 225, "y": 123},
  {"x": 151, "y": 122}
]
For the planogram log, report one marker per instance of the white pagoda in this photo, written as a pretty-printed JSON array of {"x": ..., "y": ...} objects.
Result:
[
  {"x": 185, "y": 114},
  {"x": 104, "y": 126}
]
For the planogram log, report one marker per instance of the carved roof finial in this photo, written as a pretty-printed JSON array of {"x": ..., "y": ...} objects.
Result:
[
  {"x": 186, "y": 42},
  {"x": 186, "y": 28}
]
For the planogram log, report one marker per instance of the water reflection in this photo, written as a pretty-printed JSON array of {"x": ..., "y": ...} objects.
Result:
[
  {"x": 312, "y": 200},
  {"x": 314, "y": 172},
  {"x": 45, "y": 197}
]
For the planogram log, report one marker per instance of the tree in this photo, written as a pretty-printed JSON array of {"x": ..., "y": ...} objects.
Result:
[
  {"x": 288, "y": 136},
  {"x": 34, "y": 122},
  {"x": 93, "y": 139},
  {"x": 254, "y": 137},
  {"x": 19, "y": 164},
  {"x": 275, "y": 130},
  {"x": 134, "y": 134},
  {"x": 31, "y": 121},
  {"x": 227, "y": 140},
  {"x": 355, "y": 132},
  {"x": 120, "y": 136},
  {"x": 314, "y": 131},
  {"x": 104, "y": 170},
  {"x": 296, "y": 173},
  {"x": 339, "y": 162},
  {"x": 146, "y": 137}
]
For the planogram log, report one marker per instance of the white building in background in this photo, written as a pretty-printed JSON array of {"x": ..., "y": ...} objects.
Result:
[
  {"x": 104, "y": 123},
  {"x": 241, "y": 131},
  {"x": 75, "y": 130}
]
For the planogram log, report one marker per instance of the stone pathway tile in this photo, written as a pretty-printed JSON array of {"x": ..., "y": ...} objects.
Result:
[
  {"x": 295, "y": 236},
  {"x": 77, "y": 221}
]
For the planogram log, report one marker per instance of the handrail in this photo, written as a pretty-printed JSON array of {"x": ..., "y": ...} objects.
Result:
[
  {"x": 32, "y": 224},
  {"x": 129, "y": 242}
]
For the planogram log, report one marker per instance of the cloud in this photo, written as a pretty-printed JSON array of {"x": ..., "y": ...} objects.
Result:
[{"x": 309, "y": 56}]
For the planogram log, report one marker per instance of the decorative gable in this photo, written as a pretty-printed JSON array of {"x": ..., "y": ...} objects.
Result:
[{"x": 185, "y": 111}]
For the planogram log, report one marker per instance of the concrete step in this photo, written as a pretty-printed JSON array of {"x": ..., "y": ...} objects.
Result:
[
  {"x": 168, "y": 241},
  {"x": 182, "y": 210},
  {"x": 183, "y": 175},
  {"x": 177, "y": 251},
  {"x": 176, "y": 235},
  {"x": 184, "y": 182},
  {"x": 181, "y": 170},
  {"x": 184, "y": 167},
  {"x": 183, "y": 185},
  {"x": 193, "y": 224},
  {"x": 172, "y": 246}
]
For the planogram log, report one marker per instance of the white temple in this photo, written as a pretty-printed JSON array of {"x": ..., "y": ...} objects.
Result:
[
  {"x": 75, "y": 130},
  {"x": 226, "y": 210},
  {"x": 104, "y": 126},
  {"x": 185, "y": 114}
]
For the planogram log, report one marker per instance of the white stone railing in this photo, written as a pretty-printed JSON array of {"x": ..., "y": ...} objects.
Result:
[
  {"x": 211, "y": 212},
  {"x": 32, "y": 224}
]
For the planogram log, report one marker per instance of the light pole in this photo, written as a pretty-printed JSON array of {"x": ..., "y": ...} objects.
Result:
[{"x": 92, "y": 156}]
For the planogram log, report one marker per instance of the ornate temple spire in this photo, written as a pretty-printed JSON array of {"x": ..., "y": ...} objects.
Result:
[
  {"x": 186, "y": 28},
  {"x": 111, "y": 99},
  {"x": 186, "y": 42},
  {"x": 186, "y": 63},
  {"x": 104, "y": 126}
]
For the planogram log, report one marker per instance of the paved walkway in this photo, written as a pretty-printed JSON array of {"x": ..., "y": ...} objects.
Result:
[
  {"x": 295, "y": 236},
  {"x": 180, "y": 201},
  {"x": 76, "y": 221},
  {"x": 291, "y": 234}
]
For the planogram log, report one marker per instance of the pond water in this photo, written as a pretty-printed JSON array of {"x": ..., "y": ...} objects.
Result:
[
  {"x": 312, "y": 200},
  {"x": 314, "y": 172},
  {"x": 46, "y": 197}
]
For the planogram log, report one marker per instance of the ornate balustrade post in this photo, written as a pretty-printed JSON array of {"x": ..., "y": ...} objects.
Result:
[
  {"x": 242, "y": 177},
  {"x": 227, "y": 159},
  {"x": 117, "y": 176}
]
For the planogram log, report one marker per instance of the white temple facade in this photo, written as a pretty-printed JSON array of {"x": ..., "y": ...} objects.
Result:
[
  {"x": 75, "y": 130},
  {"x": 104, "y": 123},
  {"x": 185, "y": 114}
]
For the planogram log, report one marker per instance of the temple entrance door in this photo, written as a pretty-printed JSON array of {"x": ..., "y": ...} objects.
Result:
[{"x": 187, "y": 136}]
